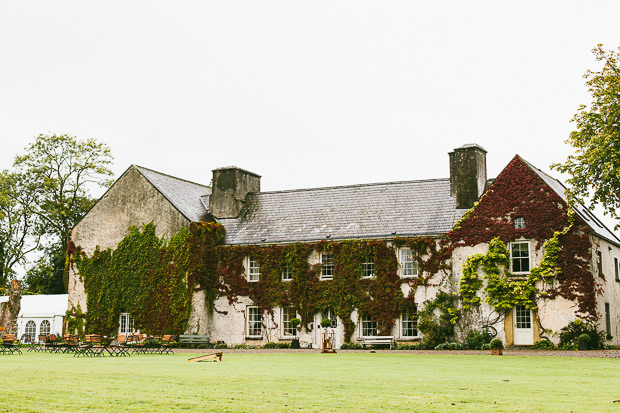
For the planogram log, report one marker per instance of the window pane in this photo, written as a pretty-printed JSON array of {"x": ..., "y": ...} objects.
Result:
[
  {"x": 288, "y": 313},
  {"x": 327, "y": 265},
  {"x": 254, "y": 273},
  {"x": 409, "y": 322},
  {"x": 330, "y": 315},
  {"x": 408, "y": 266}
]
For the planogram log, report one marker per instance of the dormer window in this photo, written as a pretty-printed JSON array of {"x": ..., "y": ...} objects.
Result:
[{"x": 520, "y": 223}]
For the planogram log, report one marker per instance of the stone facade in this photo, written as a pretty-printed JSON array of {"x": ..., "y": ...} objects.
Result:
[{"x": 132, "y": 201}]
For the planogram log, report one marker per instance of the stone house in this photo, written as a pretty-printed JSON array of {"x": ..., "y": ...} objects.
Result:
[{"x": 456, "y": 219}]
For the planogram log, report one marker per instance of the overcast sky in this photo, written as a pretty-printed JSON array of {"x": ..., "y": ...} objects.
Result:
[{"x": 306, "y": 94}]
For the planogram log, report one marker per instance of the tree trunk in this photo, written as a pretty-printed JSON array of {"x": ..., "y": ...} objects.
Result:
[{"x": 10, "y": 310}]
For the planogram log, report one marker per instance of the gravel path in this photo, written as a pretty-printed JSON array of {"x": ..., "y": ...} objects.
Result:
[{"x": 509, "y": 352}]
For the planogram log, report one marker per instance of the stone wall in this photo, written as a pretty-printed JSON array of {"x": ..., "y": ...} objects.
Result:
[{"x": 132, "y": 201}]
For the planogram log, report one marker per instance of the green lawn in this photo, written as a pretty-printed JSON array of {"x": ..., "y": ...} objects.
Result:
[{"x": 316, "y": 382}]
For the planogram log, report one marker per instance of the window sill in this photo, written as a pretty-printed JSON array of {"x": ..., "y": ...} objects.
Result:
[{"x": 254, "y": 337}]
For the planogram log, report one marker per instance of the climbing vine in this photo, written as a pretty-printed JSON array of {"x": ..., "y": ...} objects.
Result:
[
  {"x": 154, "y": 279},
  {"x": 549, "y": 221}
]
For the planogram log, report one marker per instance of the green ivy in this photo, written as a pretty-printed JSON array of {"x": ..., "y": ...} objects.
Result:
[{"x": 502, "y": 292}]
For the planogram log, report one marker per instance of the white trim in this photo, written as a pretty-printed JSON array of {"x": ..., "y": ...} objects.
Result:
[
  {"x": 252, "y": 271},
  {"x": 529, "y": 257},
  {"x": 284, "y": 329},
  {"x": 400, "y": 263},
  {"x": 327, "y": 277},
  {"x": 247, "y": 321}
]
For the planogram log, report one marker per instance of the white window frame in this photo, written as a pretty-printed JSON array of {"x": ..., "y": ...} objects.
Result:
[
  {"x": 251, "y": 311},
  {"x": 288, "y": 313},
  {"x": 327, "y": 266},
  {"x": 367, "y": 324},
  {"x": 125, "y": 324},
  {"x": 368, "y": 267},
  {"x": 407, "y": 318},
  {"x": 404, "y": 270},
  {"x": 330, "y": 314},
  {"x": 287, "y": 272},
  {"x": 253, "y": 270},
  {"x": 519, "y": 223},
  {"x": 46, "y": 331},
  {"x": 616, "y": 269},
  {"x": 529, "y": 257},
  {"x": 33, "y": 334},
  {"x": 599, "y": 263}
]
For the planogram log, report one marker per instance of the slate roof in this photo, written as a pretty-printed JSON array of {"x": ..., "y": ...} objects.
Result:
[
  {"x": 345, "y": 212},
  {"x": 593, "y": 222},
  {"x": 188, "y": 197}
]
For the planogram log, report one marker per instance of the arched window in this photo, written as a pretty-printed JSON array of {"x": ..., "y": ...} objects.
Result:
[
  {"x": 45, "y": 327},
  {"x": 31, "y": 329}
]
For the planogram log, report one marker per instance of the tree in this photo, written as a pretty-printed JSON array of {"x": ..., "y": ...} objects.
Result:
[
  {"x": 46, "y": 276},
  {"x": 18, "y": 228},
  {"x": 595, "y": 167},
  {"x": 61, "y": 170}
]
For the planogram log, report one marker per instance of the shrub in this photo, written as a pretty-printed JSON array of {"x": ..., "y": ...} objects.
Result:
[
  {"x": 326, "y": 323},
  {"x": 243, "y": 346},
  {"x": 486, "y": 346},
  {"x": 496, "y": 344},
  {"x": 475, "y": 340},
  {"x": 409, "y": 347},
  {"x": 544, "y": 345},
  {"x": 295, "y": 322},
  {"x": 220, "y": 345},
  {"x": 351, "y": 346},
  {"x": 569, "y": 335},
  {"x": 438, "y": 318},
  {"x": 584, "y": 338},
  {"x": 449, "y": 346},
  {"x": 204, "y": 345},
  {"x": 274, "y": 344}
]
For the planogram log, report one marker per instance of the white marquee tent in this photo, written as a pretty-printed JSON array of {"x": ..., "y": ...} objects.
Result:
[{"x": 40, "y": 314}]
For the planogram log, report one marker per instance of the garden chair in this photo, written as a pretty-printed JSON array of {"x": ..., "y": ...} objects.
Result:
[
  {"x": 96, "y": 345},
  {"x": 84, "y": 348},
  {"x": 167, "y": 343},
  {"x": 120, "y": 346},
  {"x": 138, "y": 344},
  {"x": 27, "y": 340},
  {"x": 71, "y": 343},
  {"x": 10, "y": 345}
]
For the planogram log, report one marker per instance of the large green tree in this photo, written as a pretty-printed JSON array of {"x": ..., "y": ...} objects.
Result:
[
  {"x": 595, "y": 166},
  {"x": 19, "y": 229},
  {"x": 61, "y": 170}
]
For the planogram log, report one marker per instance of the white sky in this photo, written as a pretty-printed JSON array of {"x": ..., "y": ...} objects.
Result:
[{"x": 306, "y": 94}]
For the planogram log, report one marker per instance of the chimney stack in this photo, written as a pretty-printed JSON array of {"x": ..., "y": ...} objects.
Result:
[
  {"x": 230, "y": 186},
  {"x": 468, "y": 174}
]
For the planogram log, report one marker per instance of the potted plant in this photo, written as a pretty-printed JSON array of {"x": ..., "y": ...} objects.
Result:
[
  {"x": 584, "y": 342},
  {"x": 295, "y": 323},
  {"x": 496, "y": 346},
  {"x": 326, "y": 323}
]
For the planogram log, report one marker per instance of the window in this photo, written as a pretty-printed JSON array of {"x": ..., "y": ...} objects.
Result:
[
  {"x": 126, "y": 324},
  {"x": 409, "y": 322},
  {"x": 369, "y": 327},
  {"x": 408, "y": 266},
  {"x": 617, "y": 269},
  {"x": 520, "y": 223},
  {"x": 327, "y": 266},
  {"x": 599, "y": 263},
  {"x": 368, "y": 267},
  {"x": 520, "y": 257},
  {"x": 288, "y": 313},
  {"x": 287, "y": 273},
  {"x": 524, "y": 320},
  {"x": 254, "y": 322},
  {"x": 44, "y": 328},
  {"x": 254, "y": 270},
  {"x": 31, "y": 329},
  {"x": 329, "y": 314}
]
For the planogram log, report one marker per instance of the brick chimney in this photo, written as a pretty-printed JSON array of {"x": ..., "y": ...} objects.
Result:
[
  {"x": 468, "y": 174},
  {"x": 230, "y": 186}
]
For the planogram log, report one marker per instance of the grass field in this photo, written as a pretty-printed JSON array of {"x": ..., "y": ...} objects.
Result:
[{"x": 315, "y": 382}]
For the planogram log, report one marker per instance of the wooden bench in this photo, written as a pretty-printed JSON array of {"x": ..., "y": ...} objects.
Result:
[
  {"x": 194, "y": 339},
  {"x": 376, "y": 340}
]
